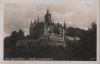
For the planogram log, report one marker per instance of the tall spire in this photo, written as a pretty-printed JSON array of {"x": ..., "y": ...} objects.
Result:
[
  {"x": 64, "y": 24},
  {"x": 47, "y": 11}
]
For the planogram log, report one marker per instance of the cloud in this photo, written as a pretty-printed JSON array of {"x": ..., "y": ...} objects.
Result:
[{"x": 77, "y": 13}]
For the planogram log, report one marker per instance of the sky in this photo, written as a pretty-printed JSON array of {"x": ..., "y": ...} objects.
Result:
[{"x": 77, "y": 13}]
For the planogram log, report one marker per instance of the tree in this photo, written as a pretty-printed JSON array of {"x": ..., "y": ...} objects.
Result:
[
  {"x": 21, "y": 35},
  {"x": 11, "y": 40},
  {"x": 92, "y": 39},
  {"x": 10, "y": 44},
  {"x": 88, "y": 43}
]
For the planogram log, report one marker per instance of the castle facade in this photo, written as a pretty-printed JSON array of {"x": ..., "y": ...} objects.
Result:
[{"x": 44, "y": 33}]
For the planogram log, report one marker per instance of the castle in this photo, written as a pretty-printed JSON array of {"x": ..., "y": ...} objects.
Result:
[{"x": 45, "y": 33}]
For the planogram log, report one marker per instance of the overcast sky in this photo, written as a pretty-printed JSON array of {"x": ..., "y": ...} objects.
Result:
[{"x": 77, "y": 13}]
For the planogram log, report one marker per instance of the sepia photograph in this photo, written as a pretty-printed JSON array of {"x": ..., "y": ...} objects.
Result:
[{"x": 65, "y": 30}]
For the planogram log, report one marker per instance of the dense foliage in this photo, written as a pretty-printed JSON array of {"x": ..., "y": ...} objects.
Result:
[{"x": 84, "y": 49}]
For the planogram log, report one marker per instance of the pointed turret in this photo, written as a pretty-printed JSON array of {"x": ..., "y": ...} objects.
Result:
[
  {"x": 64, "y": 25},
  {"x": 64, "y": 30}
]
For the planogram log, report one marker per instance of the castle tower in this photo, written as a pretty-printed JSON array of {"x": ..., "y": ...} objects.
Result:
[
  {"x": 48, "y": 19},
  {"x": 64, "y": 31},
  {"x": 32, "y": 25}
]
